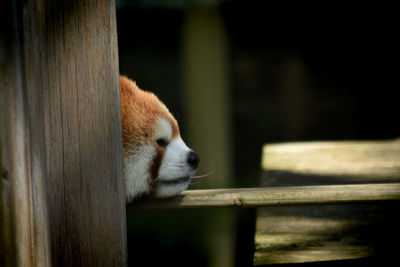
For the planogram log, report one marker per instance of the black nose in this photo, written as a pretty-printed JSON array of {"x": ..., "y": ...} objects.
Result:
[{"x": 193, "y": 160}]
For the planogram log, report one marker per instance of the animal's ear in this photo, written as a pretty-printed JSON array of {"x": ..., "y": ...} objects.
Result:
[{"x": 126, "y": 84}]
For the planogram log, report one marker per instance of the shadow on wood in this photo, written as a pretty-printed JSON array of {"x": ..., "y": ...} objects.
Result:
[
  {"x": 329, "y": 232},
  {"x": 63, "y": 201}
]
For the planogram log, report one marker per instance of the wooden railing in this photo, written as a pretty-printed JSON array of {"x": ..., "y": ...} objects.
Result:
[
  {"x": 61, "y": 187},
  {"x": 276, "y": 197},
  {"x": 319, "y": 201}
]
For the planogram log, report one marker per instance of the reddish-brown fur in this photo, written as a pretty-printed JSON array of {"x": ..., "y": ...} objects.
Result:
[{"x": 139, "y": 113}]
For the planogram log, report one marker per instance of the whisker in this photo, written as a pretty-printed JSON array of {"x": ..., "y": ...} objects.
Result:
[{"x": 202, "y": 176}]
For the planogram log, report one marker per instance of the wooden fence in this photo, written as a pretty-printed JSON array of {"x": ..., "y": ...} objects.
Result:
[
  {"x": 319, "y": 202},
  {"x": 61, "y": 187}
]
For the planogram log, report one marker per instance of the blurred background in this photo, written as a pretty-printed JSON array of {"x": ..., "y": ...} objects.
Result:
[{"x": 240, "y": 74}]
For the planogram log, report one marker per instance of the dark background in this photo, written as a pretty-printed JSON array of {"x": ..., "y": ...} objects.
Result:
[{"x": 297, "y": 73}]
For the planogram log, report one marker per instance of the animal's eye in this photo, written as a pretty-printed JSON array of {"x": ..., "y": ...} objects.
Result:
[{"x": 162, "y": 142}]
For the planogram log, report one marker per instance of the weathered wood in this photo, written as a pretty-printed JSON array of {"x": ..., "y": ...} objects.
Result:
[
  {"x": 79, "y": 65},
  {"x": 24, "y": 233},
  {"x": 277, "y": 196},
  {"x": 294, "y": 235},
  {"x": 60, "y": 102},
  {"x": 345, "y": 162},
  {"x": 334, "y": 232},
  {"x": 325, "y": 233}
]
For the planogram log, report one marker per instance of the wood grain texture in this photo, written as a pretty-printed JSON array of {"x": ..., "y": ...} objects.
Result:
[
  {"x": 329, "y": 232},
  {"x": 276, "y": 196},
  {"x": 294, "y": 235},
  {"x": 24, "y": 233},
  {"x": 80, "y": 82},
  {"x": 344, "y": 162},
  {"x": 61, "y": 147}
]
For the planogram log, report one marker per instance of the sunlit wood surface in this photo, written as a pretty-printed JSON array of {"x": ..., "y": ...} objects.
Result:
[{"x": 328, "y": 232}]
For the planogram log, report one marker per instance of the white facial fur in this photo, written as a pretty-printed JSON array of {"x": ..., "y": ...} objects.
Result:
[
  {"x": 136, "y": 171},
  {"x": 174, "y": 171},
  {"x": 163, "y": 129},
  {"x": 174, "y": 164}
]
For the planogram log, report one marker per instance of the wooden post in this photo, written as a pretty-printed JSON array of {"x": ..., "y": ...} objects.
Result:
[
  {"x": 24, "y": 233},
  {"x": 61, "y": 192},
  {"x": 205, "y": 63}
]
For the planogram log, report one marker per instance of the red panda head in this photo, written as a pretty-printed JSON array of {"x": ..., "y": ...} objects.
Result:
[{"x": 156, "y": 160}]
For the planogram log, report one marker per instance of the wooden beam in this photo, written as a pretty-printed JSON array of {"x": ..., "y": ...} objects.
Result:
[
  {"x": 342, "y": 162},
  {"x": 276, "y": 196}
]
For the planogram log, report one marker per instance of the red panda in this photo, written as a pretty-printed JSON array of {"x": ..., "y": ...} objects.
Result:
[{"x": 157, "y": 162}]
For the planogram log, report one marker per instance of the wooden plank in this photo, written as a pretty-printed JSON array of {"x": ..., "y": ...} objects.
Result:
[
  {"x": 345, "y": 162},
  {"x": 334, "y": 232},
  {"x": 325, "y": 233},
  {"x": 276, "y": 196},
  {"x": 317, "y": 233}
]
